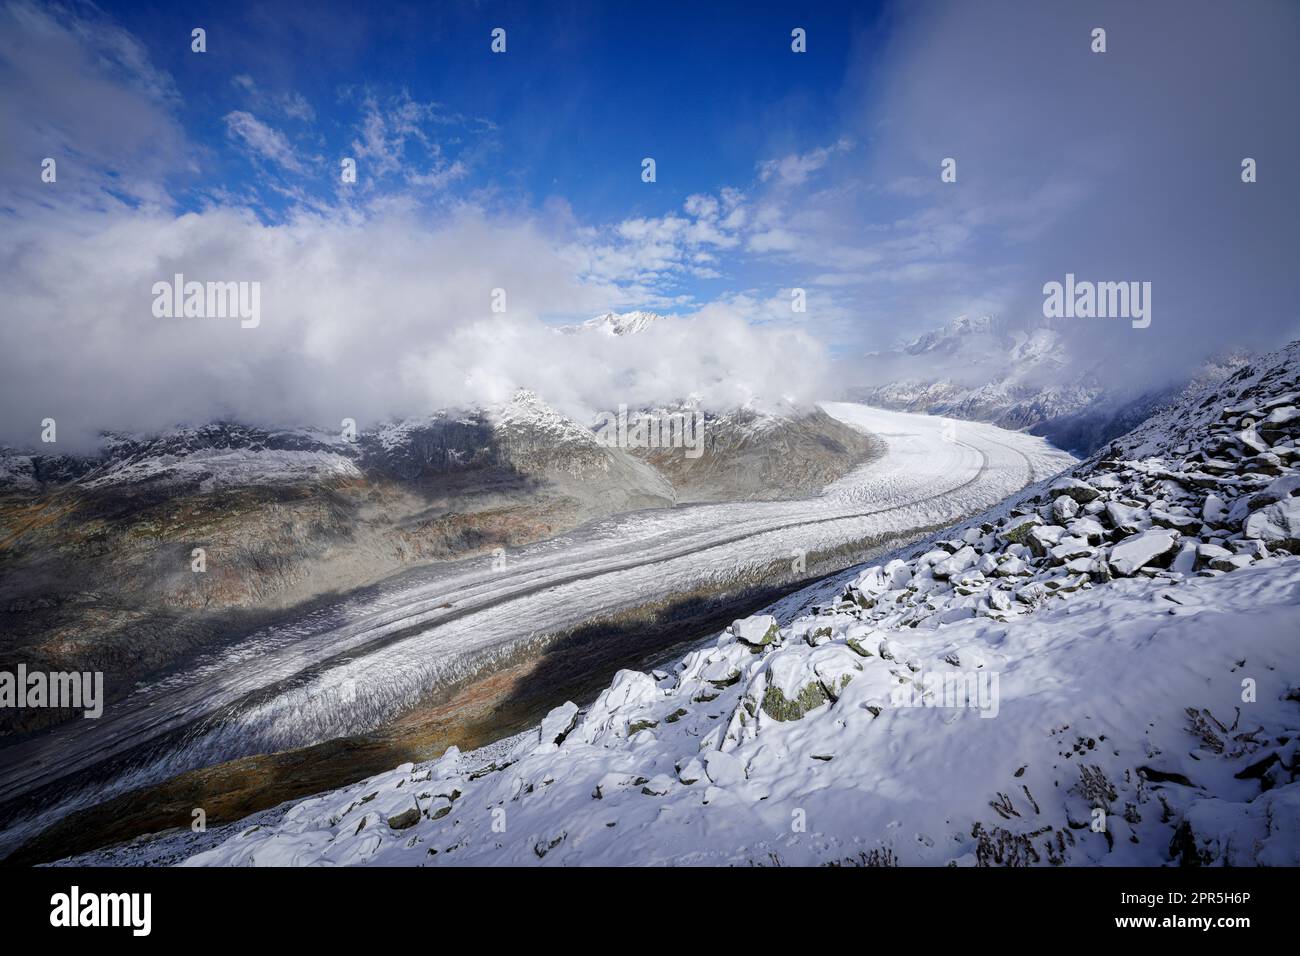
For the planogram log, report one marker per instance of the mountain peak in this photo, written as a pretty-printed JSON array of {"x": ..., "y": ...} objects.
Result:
[
  {"x": 527, "y": 413},
  {"x": 958, "y": 328},
  {"x": 619, "y": 323},
  {"x": 965, "y": 324}
]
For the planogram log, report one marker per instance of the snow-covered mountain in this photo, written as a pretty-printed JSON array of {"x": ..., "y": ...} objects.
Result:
[
  {"x": 616, "y": 323},
  {"x": 981, "y": 369},
  {"x": 1105, "y": 668},
  {"x": 1104, "y": 419},
  {"x": 946, "y": 339},
  {"x": 750, "y": 453},
  {"x": 984, "y": 369}
]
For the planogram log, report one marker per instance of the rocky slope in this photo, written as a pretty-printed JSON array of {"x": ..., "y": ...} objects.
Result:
[
  {"x": 1104, "y": 669},
  {"x": 750, "y": 455},
  {"x": 1104, "y": 419}
]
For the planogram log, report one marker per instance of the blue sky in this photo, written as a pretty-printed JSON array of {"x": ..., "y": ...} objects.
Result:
[
  {"x": 776, "y": 171},
  {"x": 564, "y": 118},
  {"x": 582, "y": 94}
]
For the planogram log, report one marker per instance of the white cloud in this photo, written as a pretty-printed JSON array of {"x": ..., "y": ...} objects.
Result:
[
  {"x": 82, "y": 91},
  {"x": 1074, "y": 161},
  {"x": 290, "y": 103},
  {"x": 794, "y": 170},
  {"x": 442, "y": 175},
  {"x": 369, "y": 318},
  {"x": 371, "y": 307},
  {"x": 265, "y": 141},
  {"x": 296, "y": 106}
]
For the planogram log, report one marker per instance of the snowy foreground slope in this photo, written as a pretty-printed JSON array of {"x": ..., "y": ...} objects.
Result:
[{"x": 1103, "y": 670}]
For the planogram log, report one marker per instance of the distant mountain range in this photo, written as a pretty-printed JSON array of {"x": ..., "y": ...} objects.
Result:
[
  {"x": 468, "y": 447},
  {"x": 103, "y": 543},
  {"x": 986, "y": 369},
  {"x": 981, "y": 369}
]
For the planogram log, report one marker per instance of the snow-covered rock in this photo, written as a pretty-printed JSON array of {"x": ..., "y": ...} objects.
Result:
[
  {"x": 1079, "y": 491},
  {"x": 1142, "y": 550},
  {"x": 1277, "y": 525},
  {"x": 756, "y": 631},
  {"x": 558, "y": 723}
]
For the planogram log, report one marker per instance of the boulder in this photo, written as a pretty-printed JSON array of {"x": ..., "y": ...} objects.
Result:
[
  {"x": 1185, "y": 523},
  {"x": 1185, "y": 561},
  {"x": 877, "y": 580},
  {"x": 1012, "y": 567},
  {"x": 558, "y": 723},
  {"x": 405, "y": 819},
  {"x": 835, "y": 666},
  {"x": 1042, "y": 539},
  {"x": 780, "y": 706},
  {"x": 1071, "y": 548},
  {"x": 690, "y": 771},
  {"x": 724, "y": 770},
  {"x": 1080, "y": 491},
  {"x": 1145, "y": 549},
  {"x": 1016, "y": 530},
  {"x": 1281, "y": 488},
  {"x": 630, "y": 691},
  {"x": 958, "y": 562},
  {"x": 658, "y": 785},
  {"x": 1277, "y": 525},
  {"x": 1090, "y": 529},
  {"x": 1064, "y": 508},
  {"x": 1213, "y": 510},
  {"x": 757, "y": 631},
  {"x": 1126, "y": 519}
]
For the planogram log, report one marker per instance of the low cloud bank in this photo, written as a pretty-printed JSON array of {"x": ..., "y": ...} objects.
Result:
[{"x": 369, "y": 317}]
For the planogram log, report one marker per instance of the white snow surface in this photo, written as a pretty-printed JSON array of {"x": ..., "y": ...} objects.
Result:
[{"x": 1124, "y": 703}]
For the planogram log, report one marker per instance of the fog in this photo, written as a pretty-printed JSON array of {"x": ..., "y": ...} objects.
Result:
[{"x": 1115, "y": 166}]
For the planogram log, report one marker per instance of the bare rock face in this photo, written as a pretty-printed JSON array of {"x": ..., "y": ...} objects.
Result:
[{"x": 750, "y": 456}]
